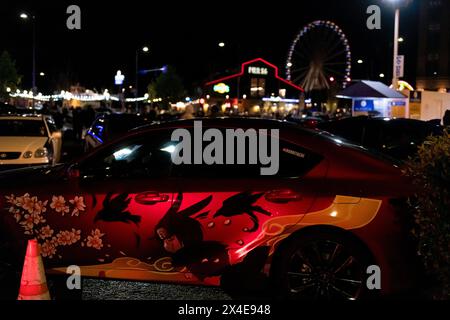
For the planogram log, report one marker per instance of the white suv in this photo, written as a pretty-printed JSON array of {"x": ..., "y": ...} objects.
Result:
[{"x": 28, "y": 140}]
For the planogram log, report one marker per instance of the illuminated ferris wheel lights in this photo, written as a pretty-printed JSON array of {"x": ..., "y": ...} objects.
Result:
[{"x": 306, "y": 64}]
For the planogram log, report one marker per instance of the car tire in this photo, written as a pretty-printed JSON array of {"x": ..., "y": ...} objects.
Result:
[{"x": 321, "y": 264}]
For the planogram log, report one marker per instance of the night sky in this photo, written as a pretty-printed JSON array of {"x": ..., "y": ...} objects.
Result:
[{"x": 185, "y": 34}]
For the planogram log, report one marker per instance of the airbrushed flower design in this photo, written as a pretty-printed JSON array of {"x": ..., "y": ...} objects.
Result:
[
  {"x": 37, "y": 218},
  {"x": 40, "y": 206},
  {"x": 19, "y": 201},
  {"x": 11, "y": 199},
  {"x": 59, "y": 205},
  {"x": 27, "y": 223},
  {"x": 17, "y": 213},
  {"x": 28, "y": 204},
  {"x": 79, "y": 205},
  {"x": 30, "y": 212},
  {"x": 48, "y": 248},
  {"x": 95, "y": 239},
  {"x": 46, "y": 232},
  {"x": 67, "y": 238}
]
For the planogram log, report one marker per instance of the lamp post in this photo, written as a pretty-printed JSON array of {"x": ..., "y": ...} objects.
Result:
[
  {"x": 136, "y": 83},
  {"x": 26, "y": 16},
  {"x": 396, "y": 27},
  {"x": 397, "y": 4}
]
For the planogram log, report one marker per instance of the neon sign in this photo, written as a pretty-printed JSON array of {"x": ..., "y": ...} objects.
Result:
[
  {"x": 119, "y": 78},
  {"x": 258, "y": 70},
  {"x": 221, "y": 88}
]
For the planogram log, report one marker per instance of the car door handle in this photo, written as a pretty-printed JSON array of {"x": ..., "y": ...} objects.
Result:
[
  {"x": 282, "y": 196},
  {"x": 150, "y": 198}
]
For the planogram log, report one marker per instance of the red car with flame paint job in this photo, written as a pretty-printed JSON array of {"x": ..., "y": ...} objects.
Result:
[{"x": 126, "y": 211}]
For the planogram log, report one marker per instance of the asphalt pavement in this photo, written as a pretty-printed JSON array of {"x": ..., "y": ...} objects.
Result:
[{"x": 93, "y": 289}]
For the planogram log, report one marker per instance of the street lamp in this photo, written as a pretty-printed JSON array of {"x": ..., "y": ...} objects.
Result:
[
  {"x": 396, "y": 27},
  {"x": 144, "y": 49},
  {"x": 26, "y": 16},
  {"x": 397, "y": 4}
]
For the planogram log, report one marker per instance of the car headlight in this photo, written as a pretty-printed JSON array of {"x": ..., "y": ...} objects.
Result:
[
  {"x": 41, "y": 153},
  {"x": 27, "y": 154}
]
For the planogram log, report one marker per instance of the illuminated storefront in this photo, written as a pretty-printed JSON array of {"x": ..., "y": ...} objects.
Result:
[
  {"x": 256, "y": 90},
  {"x": 375, "y": 99}
]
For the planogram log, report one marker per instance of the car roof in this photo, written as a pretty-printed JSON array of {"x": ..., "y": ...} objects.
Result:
[
  {"x": 220, "y": 122},
  {"x": 293, "y": 129},
  {"x": 380, "y": 119}
]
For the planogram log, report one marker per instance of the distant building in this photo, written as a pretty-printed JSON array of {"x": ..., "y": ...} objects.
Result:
[
  {"x": 256, "y": 89},
  {"x": 433, "y": 67},
  {"x": 373, "y": 98}
]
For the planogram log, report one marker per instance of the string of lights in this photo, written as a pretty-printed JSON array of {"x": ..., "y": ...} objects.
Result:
[{"x": 86, "y": 97}]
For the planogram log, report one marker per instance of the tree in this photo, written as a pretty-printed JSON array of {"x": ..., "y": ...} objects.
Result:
[
  {"x": 430, "y": 172},
  {"x": 152, "y": 94},
  {"x": 168, "y": 86},
  {"x": 9, "y": 77}
]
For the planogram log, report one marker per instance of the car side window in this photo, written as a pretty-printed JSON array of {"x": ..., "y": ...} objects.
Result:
[
  {"x": 137, "y": 158},
  {"x": 51, "y": 126},
  {"x": 294, "y": 161}
]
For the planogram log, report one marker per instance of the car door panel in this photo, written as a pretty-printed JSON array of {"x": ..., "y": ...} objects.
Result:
[{"x": 238, "y": 217}]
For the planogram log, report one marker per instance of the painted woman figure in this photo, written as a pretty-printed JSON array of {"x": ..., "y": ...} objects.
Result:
[{"x": 181, "y": 235}]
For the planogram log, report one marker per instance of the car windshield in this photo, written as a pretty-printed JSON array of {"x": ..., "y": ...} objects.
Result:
[{"x": 22, "y": 128}]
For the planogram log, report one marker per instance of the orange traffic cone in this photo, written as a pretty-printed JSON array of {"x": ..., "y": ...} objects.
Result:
[{"x": 33, "y": 285}]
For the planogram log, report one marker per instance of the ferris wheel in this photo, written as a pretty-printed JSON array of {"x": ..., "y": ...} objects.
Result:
[{"x": 319, "y": 56}]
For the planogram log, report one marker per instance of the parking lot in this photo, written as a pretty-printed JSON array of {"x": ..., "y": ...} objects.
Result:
[{"x": 125, "y": 290}]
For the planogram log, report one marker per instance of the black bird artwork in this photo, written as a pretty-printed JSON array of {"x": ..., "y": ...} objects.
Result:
[
  {"x": 242, "y": 203},
  {"x": 115, "y": 210}
]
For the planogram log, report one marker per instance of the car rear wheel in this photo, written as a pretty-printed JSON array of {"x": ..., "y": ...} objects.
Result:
[{"x": 322, "y": 265}]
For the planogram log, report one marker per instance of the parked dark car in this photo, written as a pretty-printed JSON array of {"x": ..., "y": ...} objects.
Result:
[
  {"x": 106, "y": 127},
  {"x": 398, "y": 138},
  {"x": 306, "y": 121}
]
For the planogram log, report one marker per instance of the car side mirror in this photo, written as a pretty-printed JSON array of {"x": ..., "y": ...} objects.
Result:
[
  {"x": 73, "y": 172},
  {"x": 57, "y": 135}
]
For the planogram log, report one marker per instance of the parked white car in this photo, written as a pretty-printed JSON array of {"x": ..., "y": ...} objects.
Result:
[{"x": 28, "y": 140}]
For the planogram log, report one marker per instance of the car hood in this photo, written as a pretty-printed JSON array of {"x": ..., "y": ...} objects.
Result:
[{"x": 21, "y": 144}]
